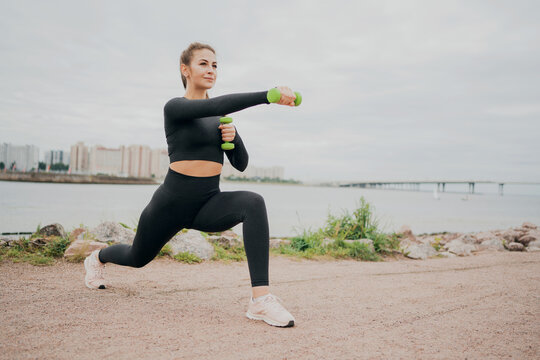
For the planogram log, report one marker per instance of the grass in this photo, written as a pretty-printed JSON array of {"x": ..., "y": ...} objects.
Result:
[{"x": 327, "y": 242}]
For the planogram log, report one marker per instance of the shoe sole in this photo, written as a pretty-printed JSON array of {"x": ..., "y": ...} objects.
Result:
[
  {"x": 268, "y": 320},
  {"x": 86, "y": 280}
]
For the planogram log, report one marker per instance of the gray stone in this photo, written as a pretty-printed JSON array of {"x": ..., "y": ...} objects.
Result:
[
  {"x": 467, "y": 239},
  {"x": 226, "y": 241},
  {"x": 515, "y": 246},
  {"x": 53, "y": 230},
  {"x": 276, "y": 243},
  {"x": 532, "y": 248},
  {"x": 535, "y": 243},
  {"x": 528, "y": 225},
  {"x": 113, "y": 231},
  {"x": 525, "y": 239},
  {"x": 511, "y": 235},
  {"x": 492, "y": 244},
  {"x": 193, "y": 242},
  {"x": 419, "y": 251},
  {"x": 459, "y": 248}
]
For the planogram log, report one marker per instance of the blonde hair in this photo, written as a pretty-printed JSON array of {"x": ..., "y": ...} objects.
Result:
[{"x": 187, "y": 56}]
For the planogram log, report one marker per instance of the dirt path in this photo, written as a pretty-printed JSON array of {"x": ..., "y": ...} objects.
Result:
[{"x": 482, "y": 306}]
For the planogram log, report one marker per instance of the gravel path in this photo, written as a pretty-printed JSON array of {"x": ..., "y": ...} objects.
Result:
[{"x": 481, "y": 306}]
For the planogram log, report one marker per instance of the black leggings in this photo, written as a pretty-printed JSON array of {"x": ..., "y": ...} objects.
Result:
[{"x": 194, "y": 202}]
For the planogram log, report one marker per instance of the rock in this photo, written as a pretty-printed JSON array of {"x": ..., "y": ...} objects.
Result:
[
  {"x": 532, "y": 248},
  {"x": 447, "y": 254},
  {"x": 276, "y": 243},
  {"x": 494, "y": 244},
  {"x": 369, "y": 243},
  {"x": 112, "y": 231},
  {"x": 407, "y": 232},
  {"x": 74, "y": 235},
  {"x": 82, "y": 248},
  {"x": 528, "y": 225},
  {"x": 459, "y": 248},
  {"x": 467, "y": 239},
  {"x": 535, "y": 243},
  {"x": 511, "y": 235},
  {"x": 485, "y": 235},
  {"x": 193, "y": 242},
  {"x": 38, "y": 242},
  {"x": 53, "y": 230},
  {"x": 449, "y": 237},
  {"x": 419, "y": 251},
  {"x": 229, "y": 233},
  {"x": 526, "y": 239},
  {"x": 225, "y": 241},
  {"x": 515, "y": 246}
]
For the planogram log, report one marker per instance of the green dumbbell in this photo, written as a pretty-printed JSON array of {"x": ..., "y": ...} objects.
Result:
[
  {"x": 274, "y": 95},
  {"x": 226, "y": 145}
]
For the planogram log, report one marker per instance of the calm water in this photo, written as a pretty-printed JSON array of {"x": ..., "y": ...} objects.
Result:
[{"x": 25, "y": 205}]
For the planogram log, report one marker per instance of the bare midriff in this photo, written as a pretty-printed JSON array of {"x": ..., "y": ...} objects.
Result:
[{"x": 196, "y": 167}]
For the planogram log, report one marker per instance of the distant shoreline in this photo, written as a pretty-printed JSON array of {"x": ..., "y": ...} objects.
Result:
[{"x": 75, "y": 178}]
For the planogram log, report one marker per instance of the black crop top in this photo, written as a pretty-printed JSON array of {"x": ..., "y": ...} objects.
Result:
[{"x": 191, "y": 127}]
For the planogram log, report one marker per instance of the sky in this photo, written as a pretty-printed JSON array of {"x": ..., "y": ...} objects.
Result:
[{"x": 392, "y": 90}]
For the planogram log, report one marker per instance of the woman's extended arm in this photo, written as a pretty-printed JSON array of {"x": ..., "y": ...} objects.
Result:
[
  {"x": 179, "y": 109},
  {"x": 238, "y": 157}
]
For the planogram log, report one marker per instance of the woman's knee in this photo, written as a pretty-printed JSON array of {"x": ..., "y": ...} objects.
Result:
[{"x": 253, "y": 199}]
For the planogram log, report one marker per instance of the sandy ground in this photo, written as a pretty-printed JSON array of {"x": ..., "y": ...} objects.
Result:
[{"x": 481, "y": 306}]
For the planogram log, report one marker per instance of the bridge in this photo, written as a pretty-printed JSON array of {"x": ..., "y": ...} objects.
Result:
[{"x": 441, "y": 184}]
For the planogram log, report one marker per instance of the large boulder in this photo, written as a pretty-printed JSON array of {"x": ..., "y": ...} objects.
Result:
[
  {"x": 419, "y": 251},
  {"x": 492, "y": 244},
  {"x": 192, "y": 241},
  {"x": 53, "y": 230},
  {"x": 113, "y": 231},
  {"x": 460, "y": 248},
  {"x": 515, "y": 246}
]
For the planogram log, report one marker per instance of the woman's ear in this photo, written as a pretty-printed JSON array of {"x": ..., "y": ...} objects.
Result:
[{"x": 183, "y": 69}]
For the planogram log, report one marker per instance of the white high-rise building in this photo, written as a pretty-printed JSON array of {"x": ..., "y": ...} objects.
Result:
[
  {"x": 19, "y": 157},
  {"x": 78, "y": 159},
  {"x": 104, "y": 160}
]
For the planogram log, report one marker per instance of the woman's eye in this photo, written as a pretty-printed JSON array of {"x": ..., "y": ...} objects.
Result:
[{"x": 215, "y": 66}]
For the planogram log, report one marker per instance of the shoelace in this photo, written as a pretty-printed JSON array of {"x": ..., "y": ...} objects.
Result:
[
  {"x": 274, "y": 302},
  {"x": 98, "y": 269}
]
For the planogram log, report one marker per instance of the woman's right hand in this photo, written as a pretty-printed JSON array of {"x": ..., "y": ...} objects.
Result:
[{"x": 287, "y": 96}]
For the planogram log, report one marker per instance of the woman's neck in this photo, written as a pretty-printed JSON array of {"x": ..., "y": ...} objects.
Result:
[{"x": 195, "y": 94}]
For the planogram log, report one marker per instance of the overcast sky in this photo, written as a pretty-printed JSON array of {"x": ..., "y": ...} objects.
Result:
[{"x": 393, "y": 90}]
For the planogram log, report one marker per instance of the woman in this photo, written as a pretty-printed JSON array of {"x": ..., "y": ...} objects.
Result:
[{"x": 190, "y": 196}]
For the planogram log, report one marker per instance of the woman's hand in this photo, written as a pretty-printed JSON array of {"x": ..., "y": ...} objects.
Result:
[
  {"x": 287, "y": 96},
  {"x": 228, "y": 132}
]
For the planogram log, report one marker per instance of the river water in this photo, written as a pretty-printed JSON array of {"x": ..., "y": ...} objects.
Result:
[{"x": 291, "y": 208}]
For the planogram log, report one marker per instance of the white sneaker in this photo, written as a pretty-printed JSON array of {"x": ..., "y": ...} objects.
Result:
[
  {"x": 271, "y": 310},
  {"x": 94, "y": 271}
]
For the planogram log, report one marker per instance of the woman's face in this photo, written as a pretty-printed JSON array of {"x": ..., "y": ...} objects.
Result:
[{"x": 202, "y": 72}]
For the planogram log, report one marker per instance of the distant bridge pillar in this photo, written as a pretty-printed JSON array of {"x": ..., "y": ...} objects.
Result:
[
  {"x": 471, "y": 188},
  {"x": 443, "y": 184},
  {"x": 501, "y": 189}
]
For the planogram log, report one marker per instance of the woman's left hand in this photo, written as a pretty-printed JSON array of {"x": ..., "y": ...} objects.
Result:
[{"x": 228, "y": 132}]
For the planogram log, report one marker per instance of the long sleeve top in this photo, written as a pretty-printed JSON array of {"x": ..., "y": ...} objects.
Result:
[{"x": 191, "y": 127}]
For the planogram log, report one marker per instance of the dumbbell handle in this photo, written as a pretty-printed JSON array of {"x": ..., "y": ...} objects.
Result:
[{"x": 274, "y": 95}]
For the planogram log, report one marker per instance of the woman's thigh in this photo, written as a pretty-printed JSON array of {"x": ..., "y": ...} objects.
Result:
[{"x": 225, "y": 210}]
